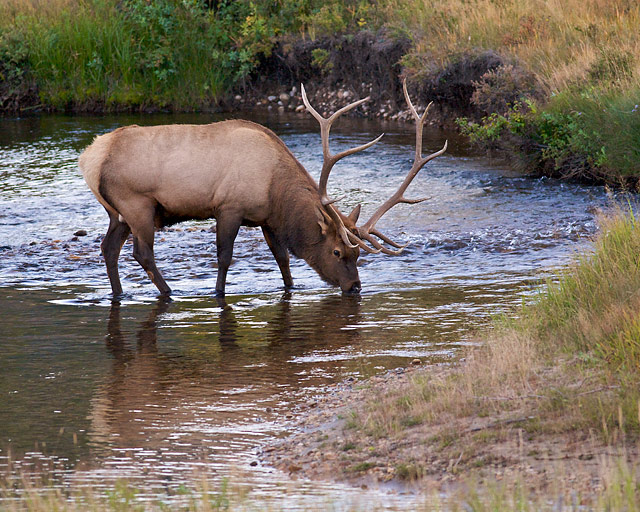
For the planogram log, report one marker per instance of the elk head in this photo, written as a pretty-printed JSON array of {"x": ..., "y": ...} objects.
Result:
[{"x": 343, "y": 239}]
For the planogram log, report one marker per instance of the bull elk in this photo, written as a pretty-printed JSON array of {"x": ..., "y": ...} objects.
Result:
[{"x": 241, "y": 174}]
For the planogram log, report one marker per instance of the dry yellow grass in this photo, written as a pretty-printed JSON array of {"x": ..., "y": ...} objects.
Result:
[{"x": 559, "y": 40}]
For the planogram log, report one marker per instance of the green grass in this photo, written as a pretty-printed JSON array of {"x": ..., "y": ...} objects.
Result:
[
  {"x": 577, "y": 61},
  {"x": 111, "y": 55},
  {"x": 594, "y": 307}
]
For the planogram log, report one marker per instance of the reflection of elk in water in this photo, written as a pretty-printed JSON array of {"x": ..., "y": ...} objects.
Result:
[
  {"x": 194, "y": 389},
  {"x": 241, "y": 174}
]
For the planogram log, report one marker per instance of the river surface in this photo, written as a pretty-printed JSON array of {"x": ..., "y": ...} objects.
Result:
[{"x": 164, "y": 394}]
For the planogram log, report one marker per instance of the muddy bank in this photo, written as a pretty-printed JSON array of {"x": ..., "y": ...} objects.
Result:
[
  {"x": 449, "y": 457},
  {"x": 335, "y": 70},
  {"x": 370, "y": 64}
]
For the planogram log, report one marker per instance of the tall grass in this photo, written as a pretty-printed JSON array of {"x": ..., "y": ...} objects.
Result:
[
  {"x": 110, "y": 54},
  {"x": 594, "y": 308},
  {"x": 561, "y": 41},
  {"x": 584, "y": 55}
]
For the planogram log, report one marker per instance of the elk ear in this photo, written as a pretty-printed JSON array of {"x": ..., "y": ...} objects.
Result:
[
  {"x": 323, "y": 220},
  {"x": 355, "y": 213}
]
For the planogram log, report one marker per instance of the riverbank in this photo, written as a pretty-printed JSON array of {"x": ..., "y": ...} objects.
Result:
[
  {"x": 545, "y": 409},
  {"x": 554, "y": 88}
]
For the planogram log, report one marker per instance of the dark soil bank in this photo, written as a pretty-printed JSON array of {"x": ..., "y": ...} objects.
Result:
[
  {"x": 354, "y": 65},
  {"x": 370, "y": 64}
]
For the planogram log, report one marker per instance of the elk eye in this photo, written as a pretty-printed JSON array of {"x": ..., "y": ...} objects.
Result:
[{"x": 337, "y": 253}]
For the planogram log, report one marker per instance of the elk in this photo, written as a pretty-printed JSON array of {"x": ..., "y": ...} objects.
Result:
[{"x": 241, "y": 174}]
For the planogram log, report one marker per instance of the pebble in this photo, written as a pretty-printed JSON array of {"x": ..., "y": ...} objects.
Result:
[
  {"x": 238, "y": 97},
  {"x": 284, "y": 98},
  {"x": 416, "y": 361},
  {"x": 271, "y": 98},
  {"x": 300, "y": 108},
  {"x": 80, "y": 232}
]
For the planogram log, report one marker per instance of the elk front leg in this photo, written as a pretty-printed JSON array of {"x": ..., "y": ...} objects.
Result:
[
  {"x": 280, "y": 253},
  {"x": 111, "y": 246},
  {"x": 227, "y": 226}
]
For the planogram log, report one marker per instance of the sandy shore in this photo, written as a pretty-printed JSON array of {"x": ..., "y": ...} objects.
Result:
[{"x": 486, "y": 451}]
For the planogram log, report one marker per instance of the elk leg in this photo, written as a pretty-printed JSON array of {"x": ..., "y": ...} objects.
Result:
[
  {"x": 280, "y": 253},
  {"x": 227, "y": 227},
  {"x": 143, "y": 232},
  {"x": 111, "y": 246}
]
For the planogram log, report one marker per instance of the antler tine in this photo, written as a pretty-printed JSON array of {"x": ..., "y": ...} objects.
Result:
[
  {"x": 329, "y": 159},
  {"x": 311, "y": 110},
  {"x": 398, "y": 197},
  {"x": 382, "y": 248},
  {"x": 360, "y": 243},
  {"x": 387, "y": 240},
  {"x": 408, "y": 100}
]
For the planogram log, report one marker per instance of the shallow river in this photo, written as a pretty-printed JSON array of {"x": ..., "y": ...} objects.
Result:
[{"x": 165, "y": 393}]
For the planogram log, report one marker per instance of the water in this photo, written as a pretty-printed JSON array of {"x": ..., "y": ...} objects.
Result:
[{"x": 164, "y": 394}]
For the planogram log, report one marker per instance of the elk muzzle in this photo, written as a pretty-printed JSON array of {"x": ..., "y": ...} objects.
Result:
[{"x": 352, "y": 289}]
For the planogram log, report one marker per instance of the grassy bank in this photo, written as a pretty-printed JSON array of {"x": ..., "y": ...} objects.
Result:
[
  {"x": 557, "y": 83},
  {"x": 542, "y": 412},
  {"x": 571, "y": 76},
  {"x": 572, "y": 355},
  {"x": 559, "y": 382},
  {"x": 108, "y": 55}
]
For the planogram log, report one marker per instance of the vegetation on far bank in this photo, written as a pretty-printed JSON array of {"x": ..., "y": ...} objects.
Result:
[{"x": 557, "y": 83}]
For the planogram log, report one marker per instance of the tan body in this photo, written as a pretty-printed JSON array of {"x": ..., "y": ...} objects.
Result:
[
  {"x": 239, "y": 173},
  {"x": 235, "y": 171}
]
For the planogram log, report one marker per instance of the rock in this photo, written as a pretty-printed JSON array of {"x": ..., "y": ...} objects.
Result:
[
  {"x": 284, "y": 98},
  {"x": 281, "y": 109},
  {"x": 300, "y": 108},
  {"x": 253, "y": 463},
  {"x": 416, "y": 361},
  {"x": 238, "y": 97},
  {"x": 80, "y": 232},
  {"x": 294, "y": 91},
  {"x": 271, "y": 98}
]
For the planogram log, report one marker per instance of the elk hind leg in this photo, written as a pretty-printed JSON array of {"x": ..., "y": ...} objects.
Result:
[
  {"x": 111, "y": 246},
  {"x": 143, "y": 233}
]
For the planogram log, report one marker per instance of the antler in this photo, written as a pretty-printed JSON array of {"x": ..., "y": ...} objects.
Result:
[
  {"x": 328, "y": 163},
  {"x": 419, "y": 162}
]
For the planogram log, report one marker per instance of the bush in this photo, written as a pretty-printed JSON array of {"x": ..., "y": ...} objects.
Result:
[
  {"x": 499, "y": 89},
  {"x": 17, "y": 87}
]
